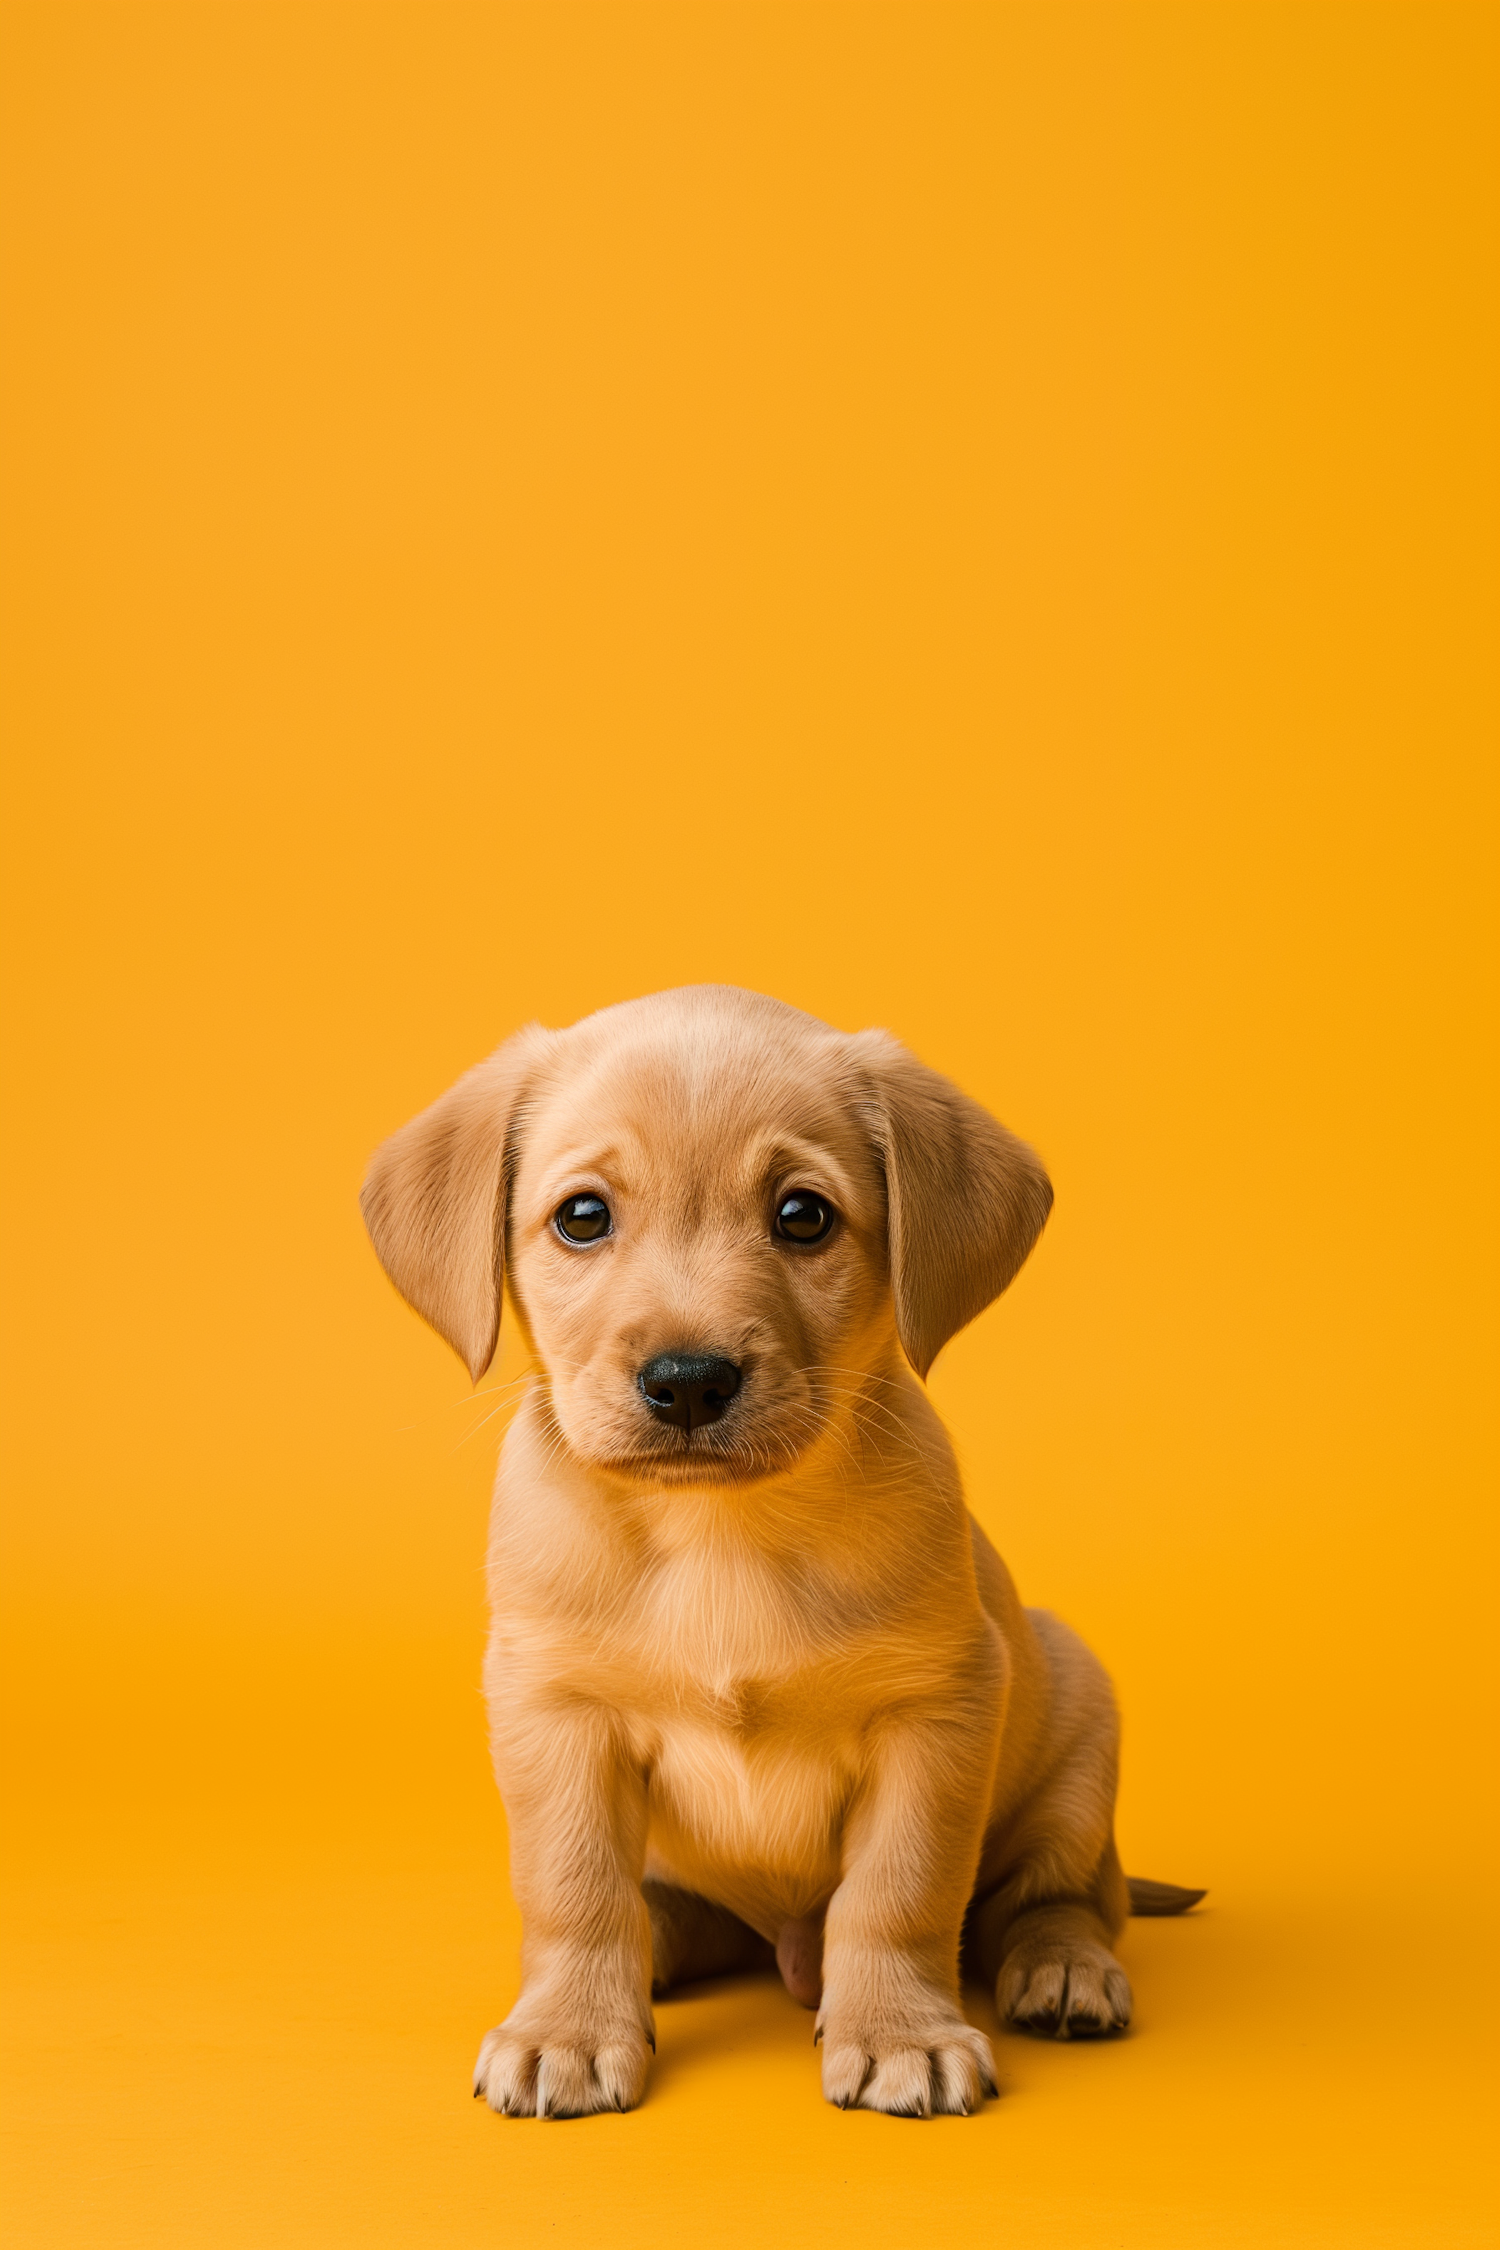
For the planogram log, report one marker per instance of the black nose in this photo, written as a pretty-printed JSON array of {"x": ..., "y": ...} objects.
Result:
[{"x": 688, "y": 1389}]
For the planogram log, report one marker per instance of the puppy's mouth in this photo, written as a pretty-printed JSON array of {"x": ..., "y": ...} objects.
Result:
[
  {"x": 688, "y": 1417},
  {"x": 731, "y": 1451},
  {"x": 692, "y": 1423}
]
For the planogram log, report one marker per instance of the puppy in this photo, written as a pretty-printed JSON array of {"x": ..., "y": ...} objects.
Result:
[{"x": 758, "y": 1683}]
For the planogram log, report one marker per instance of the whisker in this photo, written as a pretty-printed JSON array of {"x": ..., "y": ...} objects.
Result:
[
  {"x": 491, "y": 1390},
  {"x": 860, "y": 1375},
  {"x": 870, "y": 1405}
]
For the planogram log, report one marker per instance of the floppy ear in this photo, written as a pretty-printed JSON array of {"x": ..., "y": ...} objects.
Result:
[
  {"x": 434, "y": 1200},
  {"x": 966, "y": 1199}
]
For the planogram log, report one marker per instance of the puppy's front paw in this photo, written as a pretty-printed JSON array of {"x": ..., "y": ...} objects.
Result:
[
  {"x": 529, "y": 2069},
  {"x": 939, "y": 2068},
  {"x": 1072, "y": 1990}
]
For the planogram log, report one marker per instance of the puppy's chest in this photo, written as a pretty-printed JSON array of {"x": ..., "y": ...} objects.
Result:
[
  {"x": 746, "y": 1693},
  {"x": 732, "y": 1647},
  {"x": 748, "y": 1723}
]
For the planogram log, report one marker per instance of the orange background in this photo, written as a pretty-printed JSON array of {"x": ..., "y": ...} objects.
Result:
[{"x": 973, "y": 520}]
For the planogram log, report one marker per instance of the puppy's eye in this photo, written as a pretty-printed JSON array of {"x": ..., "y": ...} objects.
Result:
[
  {"x": 583, "y": 1218},
  {"x": 804, "y": 1218}
]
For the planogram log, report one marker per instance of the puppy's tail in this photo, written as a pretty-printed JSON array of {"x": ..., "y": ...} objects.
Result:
[{"x": 1147, "y": 1897}]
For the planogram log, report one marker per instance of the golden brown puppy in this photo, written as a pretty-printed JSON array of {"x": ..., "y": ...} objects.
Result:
[{"x": 757, "y": 1680}]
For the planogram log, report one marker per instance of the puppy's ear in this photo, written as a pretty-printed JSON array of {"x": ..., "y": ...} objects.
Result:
[
  {"x": 435, "y": 1194},
  {"x": 966, "y": 1199}
]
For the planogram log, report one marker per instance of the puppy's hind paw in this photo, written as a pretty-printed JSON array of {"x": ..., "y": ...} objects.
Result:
[{"x": 1071, "y": 1992}]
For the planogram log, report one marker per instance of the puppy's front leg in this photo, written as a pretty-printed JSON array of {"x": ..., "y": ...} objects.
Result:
[
  {"x": 577, "y": 2038},
  {"x": 894, "y": 2036}
]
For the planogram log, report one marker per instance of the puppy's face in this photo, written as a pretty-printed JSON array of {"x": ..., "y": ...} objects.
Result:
[
  {"x": 697, "y": 1238},
  {"x": 717, "y": 1215}
]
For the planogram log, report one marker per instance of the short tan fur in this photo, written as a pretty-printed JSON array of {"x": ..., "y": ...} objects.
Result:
[{"x": 760, "y": 1686}]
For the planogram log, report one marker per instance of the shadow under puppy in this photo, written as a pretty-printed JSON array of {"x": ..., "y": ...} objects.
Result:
[{"x": 756, "y": 1679}]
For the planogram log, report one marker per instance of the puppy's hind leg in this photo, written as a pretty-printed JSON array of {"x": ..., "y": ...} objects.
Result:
[
  {"x": 691, "y": 1938},
  {"x": 1048, "y": 1961}
]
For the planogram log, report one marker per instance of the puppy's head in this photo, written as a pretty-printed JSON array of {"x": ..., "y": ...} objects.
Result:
[{"x": 714, "y": 1214}]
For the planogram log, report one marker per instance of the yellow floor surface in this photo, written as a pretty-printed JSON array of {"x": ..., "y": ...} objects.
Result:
[{"x": 257, "y": 2029}]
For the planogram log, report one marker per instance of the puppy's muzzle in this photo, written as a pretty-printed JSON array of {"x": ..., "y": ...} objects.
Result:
[{"x": 688, "y": 1389}]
